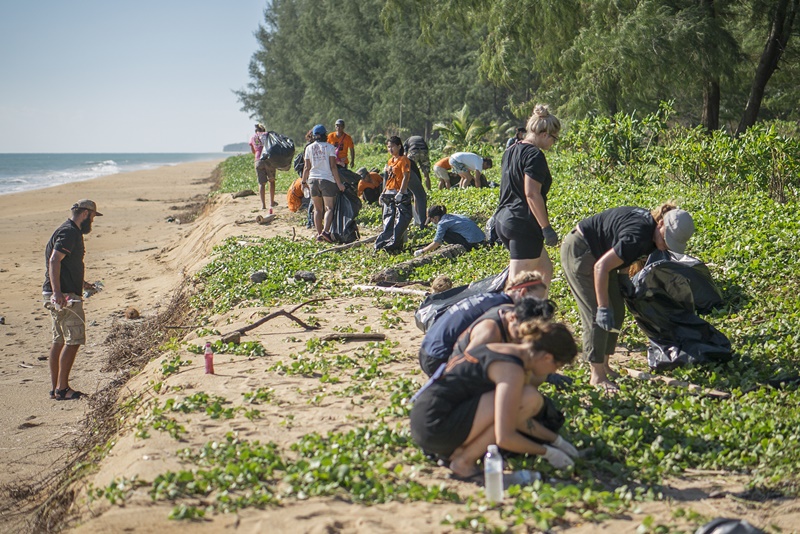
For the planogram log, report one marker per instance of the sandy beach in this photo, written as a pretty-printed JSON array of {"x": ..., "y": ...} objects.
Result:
[{"x": 142, "y": 256}]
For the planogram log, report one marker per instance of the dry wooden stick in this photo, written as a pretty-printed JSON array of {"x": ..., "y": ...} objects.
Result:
[
  {"x": 353, "y": 337},
  {"x": 678, "y": 383},
  {"x": 396, "y": 272},
  {"x": 347, "y": 246},
  {"x": 236, "y": 334},
  {"x": 399, "y": 290}
]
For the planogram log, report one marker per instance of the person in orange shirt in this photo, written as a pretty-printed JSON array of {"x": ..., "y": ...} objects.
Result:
[
  {"x": 296, "y": 199},
  {"x": 369, "y": 187},
  {"x": 396, "y": 199},
  {"x": 440, "y": 169},
  {"x": 344, "y": 144}
]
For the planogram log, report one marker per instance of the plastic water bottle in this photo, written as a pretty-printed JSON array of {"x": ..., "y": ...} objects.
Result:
[
  {"x": 209, "y": 353},
  {"x": 493, "y": 474}
]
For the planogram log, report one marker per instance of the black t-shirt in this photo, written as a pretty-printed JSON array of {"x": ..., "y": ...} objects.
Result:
[
  {"x": 67, "y": 239},
  {"x": 519, "y": 160},
  {"x": 627, "y": 230},
  {"x": 415, "y": 143}
]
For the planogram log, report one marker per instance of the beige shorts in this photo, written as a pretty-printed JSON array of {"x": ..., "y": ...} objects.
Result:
[
  {"x": 441, "y": 173},
  {"x": 69, "y": 324},
  {"x": 265, "y": 172}
]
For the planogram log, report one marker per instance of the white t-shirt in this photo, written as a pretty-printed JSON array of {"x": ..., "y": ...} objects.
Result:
[
  {"x": 319, "y": 154},
  {"x": 473, "y": 161}
]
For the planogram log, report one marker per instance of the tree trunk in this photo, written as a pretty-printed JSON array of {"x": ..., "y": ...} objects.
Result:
[
  {"x": 711, "y": 99},
  {"x": 780, "y": 30}
]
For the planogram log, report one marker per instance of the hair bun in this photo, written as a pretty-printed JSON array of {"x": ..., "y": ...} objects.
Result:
[{"x": 541, "y": 110}]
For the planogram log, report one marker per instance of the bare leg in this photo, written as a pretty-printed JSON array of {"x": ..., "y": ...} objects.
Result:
[
  {"x": 262, "y": 194},
  {"x": 55, "y": 353},
  {"x": 541, "y": 264},
  {"x": 272, "y": 202},
  {"x": 318, "y": 213},
  {"x": 328, "y": 212},
  {"x": 65, "y": 361}
]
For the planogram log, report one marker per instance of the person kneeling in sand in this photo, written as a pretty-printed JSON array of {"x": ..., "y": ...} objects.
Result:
[
  {"x": 483, "y": 398},
  {"x": 503, "y": 325},
  {"x": 437, "y": 345},
  {"x": 453, "y": 229}
]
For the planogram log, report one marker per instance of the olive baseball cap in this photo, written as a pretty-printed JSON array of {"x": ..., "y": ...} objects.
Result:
[
  {"x": 87, "y": 204},
  {"x": 679, "y": 228}
]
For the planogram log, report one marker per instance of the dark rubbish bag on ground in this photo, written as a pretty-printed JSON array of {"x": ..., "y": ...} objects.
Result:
[
  {"x": 345, "y": 210},
  {"x": 664, "y": 299},
  {"x": 436, "y": 304},
  {"x": 278, "y": 151}
]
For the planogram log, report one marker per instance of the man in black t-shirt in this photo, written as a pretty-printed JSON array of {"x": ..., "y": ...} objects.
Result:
[
  {"x": 416, "y": 150},
  {"x": 62, "y": 290}
]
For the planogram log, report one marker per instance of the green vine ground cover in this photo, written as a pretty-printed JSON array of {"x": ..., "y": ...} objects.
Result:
[{"x": 637, "y": 439}]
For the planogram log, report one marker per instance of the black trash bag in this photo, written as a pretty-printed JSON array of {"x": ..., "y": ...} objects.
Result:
[
  {"x": 663, "y": 299},
  {"x": 345, "y": 210},
  {"x": 349, "y": 177},
  {"x": 415, "y": 187},
  {"x": 491, "y": 232},
  {"x": 436, "y": 304},
  {"x": 299, "y": 164},
  {"x": 278, "y": 151},
  {"x": 725, "y": 525}
]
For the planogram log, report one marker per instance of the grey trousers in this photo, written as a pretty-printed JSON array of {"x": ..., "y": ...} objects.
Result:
[{"x": 577, "y": 263}]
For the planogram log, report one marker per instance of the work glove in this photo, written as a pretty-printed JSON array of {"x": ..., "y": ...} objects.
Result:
[
  {"x": 550, "y": 236},
  {"x": 557, "y": 458},
  {"x": 399, "y": 197},
  {"x": 565, "y": 447},
  {"x": 419, "y": 252},
  {"x": 605, "y": 319},
  {"x": 559, "y": 381}
]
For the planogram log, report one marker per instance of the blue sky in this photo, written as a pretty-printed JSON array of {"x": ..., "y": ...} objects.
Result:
[{"x": 134, "y": 76}]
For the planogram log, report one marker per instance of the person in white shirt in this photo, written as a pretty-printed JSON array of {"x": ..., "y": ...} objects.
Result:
[
  {"x": 469, "y": 167},
  {"x": 322, "y": 175}
]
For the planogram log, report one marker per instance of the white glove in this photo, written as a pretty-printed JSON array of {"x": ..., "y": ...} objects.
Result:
[
  {"x": 557, "y": 457},
  {"x": 399, "y": 196},
  {"x": 419, "y": 252},
  {"x": 565, "y": 446}
]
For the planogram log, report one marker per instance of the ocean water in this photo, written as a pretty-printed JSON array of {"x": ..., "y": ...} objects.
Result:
[{"x": 25, "y": 172}]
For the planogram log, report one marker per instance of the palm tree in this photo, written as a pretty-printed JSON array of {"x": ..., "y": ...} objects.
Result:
[{"x": 462, "y": 131}]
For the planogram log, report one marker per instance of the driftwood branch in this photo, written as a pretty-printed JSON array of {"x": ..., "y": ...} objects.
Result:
[
  {"x": 694, "y": 388},
  {"x": 235, "y": 336},
  {"x": 339, "y": 248},
  {"x": 398, "y": 290},
  {"x": 243, "y": 193},
  {"x": 353, "y": 337},
  {"x": 399, "y": 271}
]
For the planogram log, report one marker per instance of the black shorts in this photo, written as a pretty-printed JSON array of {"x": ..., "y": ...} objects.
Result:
[
  {"x": 523, "y": 240},
  {"x": 437, "y": 428}
]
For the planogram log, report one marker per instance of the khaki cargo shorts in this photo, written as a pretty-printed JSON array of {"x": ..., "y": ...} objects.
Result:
[{"x": 69, "y": 324}]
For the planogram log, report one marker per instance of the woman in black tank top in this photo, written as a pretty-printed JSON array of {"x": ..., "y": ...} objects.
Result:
[{"x": 455, "y": 415}]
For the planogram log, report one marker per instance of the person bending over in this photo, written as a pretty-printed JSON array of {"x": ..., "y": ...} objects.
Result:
[
  {"x": 452, "y": 229},
  {"x": 437, "y": 345},
  {"x": 469, "y": 167},
  {"x": 593, "y": 256},
  {"x": 322, "y": 176},
  {"x": 483, "y": 398}
]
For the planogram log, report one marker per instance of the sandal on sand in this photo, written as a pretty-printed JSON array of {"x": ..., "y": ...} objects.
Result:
[
  {"x": 61, "y": 394},
  {"x": 52, "y": 394},
  {"x": 325, "y": 236}
]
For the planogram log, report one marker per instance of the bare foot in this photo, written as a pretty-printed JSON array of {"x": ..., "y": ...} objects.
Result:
[
  {"x": 607, "y": 386},
  {"x": 460, "y": 469}
]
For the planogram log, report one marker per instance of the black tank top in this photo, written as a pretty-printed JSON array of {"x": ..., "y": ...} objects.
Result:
[
  {"x": 465, "y": 377},
  {"x": 491, "y": 315}
]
